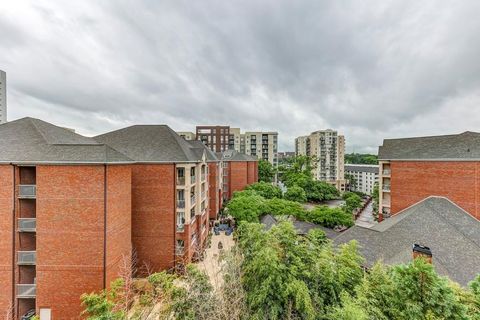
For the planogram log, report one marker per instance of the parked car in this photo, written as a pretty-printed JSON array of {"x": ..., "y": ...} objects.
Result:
[{"x": 29, "y": 315}]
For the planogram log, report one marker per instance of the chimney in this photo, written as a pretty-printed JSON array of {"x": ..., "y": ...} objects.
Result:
[{"x": 422, "y": 251}]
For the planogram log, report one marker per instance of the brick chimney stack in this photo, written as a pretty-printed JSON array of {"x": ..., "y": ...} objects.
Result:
[{"x": 422, "y": 251}]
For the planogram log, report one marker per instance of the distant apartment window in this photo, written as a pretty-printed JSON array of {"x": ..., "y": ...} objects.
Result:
[
  {"x": 181, "y": 172},
  {"x": 192, "y": 171}
]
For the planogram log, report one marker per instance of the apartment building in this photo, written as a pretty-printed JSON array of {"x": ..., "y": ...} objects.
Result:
[
  {"x": 327, "y": 148},
  {"x": 3, "y": 97},
  {"x": 412, "y": 169},
  {"x": 263, "y": 145},
  {"x": 169, "y": 193},
  {"x": 236, "y": 140},
  {"x": 187, "y": 135},
  {"x": 301, "y": 146},
  {"x": 217, "y": 138},
  {"x": 365, "y": 177},
  {"x": 239, "y": 170},
  {"x": 65, "y": 203}
]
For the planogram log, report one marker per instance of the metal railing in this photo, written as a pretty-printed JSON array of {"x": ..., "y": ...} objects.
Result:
[
  {"x": 204, "y": 194},
  {"x": 27, "y": 224},
  {"x": 26, "y": 290},
  {"x": 192, "y": 200},
  {"x": 180, "y": 203},
  {"x": 181, "y": 181},
  {"x": 180, "y": 227},
  {"x": 203, "y": 176},
  {"x": 193, "y": 179},
  {"x": 179, "y": 251},
  {"x": 386, "y": 172},
  {"x": 386, "y": 187},
  {"x": 26, "y": 257},
  {"x": 27, "y": 191}
]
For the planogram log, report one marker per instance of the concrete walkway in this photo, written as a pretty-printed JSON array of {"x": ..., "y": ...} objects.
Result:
[
  {"x": 366, "y": 219},
  {"x": 211, "y": 264}
]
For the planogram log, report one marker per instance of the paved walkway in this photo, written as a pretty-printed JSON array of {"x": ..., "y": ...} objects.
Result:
[
  {"x": 211, "y": 264},
  {"x": 366, "y": 219}
]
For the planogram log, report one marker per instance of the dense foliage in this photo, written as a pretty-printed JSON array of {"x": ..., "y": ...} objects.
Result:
[
  {"x": 298, "y": 173},
  {"x": 266, "y": 190},
  {"x": 359, "y": 158},
  {"x": 296, "y": 193},
  {"x": 352, "y": 201},
  {"x": 330, "y": 217},
  {"x": 266, "y": 171},
  {"x": 246, "y": 206}
]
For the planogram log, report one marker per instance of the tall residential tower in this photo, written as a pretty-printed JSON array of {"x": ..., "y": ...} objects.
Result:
[{"x": 3, "y": 97}]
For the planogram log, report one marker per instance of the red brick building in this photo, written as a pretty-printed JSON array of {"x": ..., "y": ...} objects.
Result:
[
  {"x": 73, "y": 209},
  {"x": 413, "y": 169},
  {"x": 65, "y": 217},
  {"x": 239, "y": 171}
]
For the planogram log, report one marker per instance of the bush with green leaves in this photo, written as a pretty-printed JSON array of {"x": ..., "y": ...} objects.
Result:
[
  {"x": 102, "y": 305},
  {"x": 296, "y": 193},
  {"x": 330, "y": 217},
  {"x": 266, "y": 190}
]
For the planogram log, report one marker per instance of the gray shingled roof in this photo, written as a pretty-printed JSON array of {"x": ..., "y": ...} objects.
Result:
[
  {"x": 197, "y": 144},
  {"x": 151, "y": 143},
  {"x": 301, "y": 227},
  {"x": 232, "y": 155},
  {"x": 30, "y": 140},
  {"x": 463, "y": 146},
  {"x": 452, "y": 234},
  {"x": 360, "y": 168}
]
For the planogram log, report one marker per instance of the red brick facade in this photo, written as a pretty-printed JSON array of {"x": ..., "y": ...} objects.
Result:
[
  {"x": 214, "y": 189},
  {"x": 239, "y": 175},
  {"x": 413, "y": 181}
]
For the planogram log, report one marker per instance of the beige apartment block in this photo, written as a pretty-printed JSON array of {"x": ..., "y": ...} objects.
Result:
[
  {"x": 186, "y": 135},
  {"x": 301, "y": 146},
  {"x": 3, "y": 97},
  {"x": 236, "y": 139},
  {"x": 327, "y": 148},
  {"x": 263, "y": 145}
]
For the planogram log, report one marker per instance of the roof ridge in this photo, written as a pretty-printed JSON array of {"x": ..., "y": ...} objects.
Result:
[
  {"x": 37, "y": 129},
  {"x": 432, "y": 136}
]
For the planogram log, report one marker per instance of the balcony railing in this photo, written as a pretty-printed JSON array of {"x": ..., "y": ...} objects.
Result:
[
  {"x": 27, "y": 224},
  {"x": 181, "y": 181},
  {"x": 203, "y": 176},
  {"x": 26, "y": 290},
  {"x": 192, "y": 200},
  {"x": 180, "y": 203},
  {"x": 180, "y": 227},
  {"x": 386, "y": 172},
  {"x": 204, "y": 194},
  {"x": 26, "y": 258},
  {"x": 386, "y": 187},
  {"x": 27, "y": 191},
  {"x": 193, "y": 179},
  {"x": 179, "y": 251},
  {"x": 386, "y": 204}
]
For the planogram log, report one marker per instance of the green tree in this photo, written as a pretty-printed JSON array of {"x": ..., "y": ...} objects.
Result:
[
  {"x": 296, "y": 193},
  {"x": 284, "y": 207},
  {"x": 266, "y": 190},
  {"x": 101, "y": 306},
  {"x": 246, "y": 206},
  {"x": 358, "y": 158},
  {"x": 266, "y": 171},
  {"x": 352, "y": 201},
  {"x": 329, "y": 217},
  {"x": 352, "y": 181}
]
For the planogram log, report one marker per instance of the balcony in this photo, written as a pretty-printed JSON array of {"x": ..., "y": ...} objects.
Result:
[
  {"x": 26, "y": 291},
  {"x": 386, "y": 187},
  {"x": 181, "y": 204},
  {"x": 386, "y": 204},
  {"x": 192, "y": 200},
  {"x": 179, "y": 251},
  {"x": 26, "y": 258},
  {"x": 386, "y": 172},
  {"x": 27, "y": 191},
  {"x": 203, "y": 176},
  {"x": 204, "y": 194},
  {"x": 27, "y": 224},
  {"x": 193, "y": 179},
  {"x": 180, "y": 181},
  {"x": 180, "y": 227}
]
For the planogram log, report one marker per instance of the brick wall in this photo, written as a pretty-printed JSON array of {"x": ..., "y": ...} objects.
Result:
[
  {"x": 119, "y": 220},
  {"x": 153, "y": 214},
  {"x": 213, "y": 187},
  {"x": 238, "y": 178},
  {"x": 413, "y": 181},
  {"x": 6, "y": 207},
  {"x": 70, "y": 213}
]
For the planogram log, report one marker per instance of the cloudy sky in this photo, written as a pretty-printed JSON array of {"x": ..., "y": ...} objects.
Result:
[{"x": 370, "y": 69}]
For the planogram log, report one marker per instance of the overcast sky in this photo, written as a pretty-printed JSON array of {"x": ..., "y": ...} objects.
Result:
[{"x": 370, "y": 69}]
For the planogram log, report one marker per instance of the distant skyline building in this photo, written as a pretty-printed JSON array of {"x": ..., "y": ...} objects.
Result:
[
  {"x": 3, "y": 97},
  {"x": 327, "y": 147},
  {"x": 216, "y": 138},
  {"x": 187, "y": 135},
  {"x": 365, "y": 175},
  {"x": 263, "y": 145}
]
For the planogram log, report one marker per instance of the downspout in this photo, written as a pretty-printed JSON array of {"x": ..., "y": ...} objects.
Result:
[
  {"x": 105, "y": 226},
  {"x": 14, "y": 302}
]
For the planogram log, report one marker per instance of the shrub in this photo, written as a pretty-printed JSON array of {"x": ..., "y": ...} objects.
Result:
[{"x": 296, "y": 193}]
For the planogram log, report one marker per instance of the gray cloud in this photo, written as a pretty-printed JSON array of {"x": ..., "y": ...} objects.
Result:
[{"x": 371, "y": 69}]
